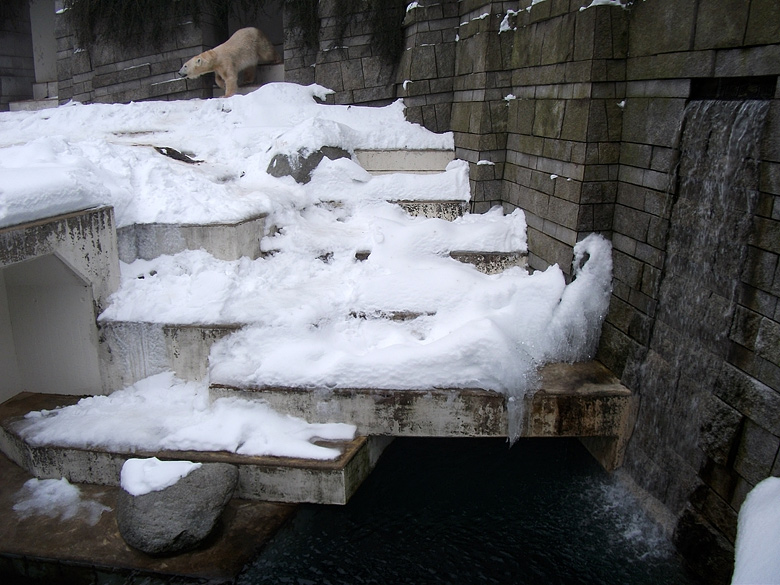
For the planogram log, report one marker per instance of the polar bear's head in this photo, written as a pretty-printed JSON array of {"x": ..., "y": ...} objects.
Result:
[{"x": 197, "y": 66}]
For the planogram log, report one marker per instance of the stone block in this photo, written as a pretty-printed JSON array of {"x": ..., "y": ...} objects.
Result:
[
  {"x": 720, "y": 428},
  {"x": 757, "y": 300},
  {"x": 749, "y": 396},
  {"x": 763, "y": 25},
  {"x": 661, "y": 28},
  {"x": 749, "y": 61},
  {"x": 423, "y": 64},
  {"x": 766, "y": 234},
  {"x": 770, "y": 178},
  {"x": 626, "y": 269},
  {"x": 329, "y": 75},
  {"x": 707, "y": 550},
  {"x": 756, "y": 452},
  {"x": 720, "y": 23},
  {"x": 685, "y": 64},
  {"x": 652, "y": 121},
  {"x": 768, "y": 341},
  {"x": 548, "y": 117},
  {"x": 352, "y": 74},
  {"x": 717, "y": 511}
]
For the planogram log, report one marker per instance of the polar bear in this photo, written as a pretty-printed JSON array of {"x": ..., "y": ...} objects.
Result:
[{"x": 241, "y": 53}]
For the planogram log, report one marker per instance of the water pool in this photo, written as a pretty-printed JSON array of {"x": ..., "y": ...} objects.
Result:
[{"x": 476, "y": 511}]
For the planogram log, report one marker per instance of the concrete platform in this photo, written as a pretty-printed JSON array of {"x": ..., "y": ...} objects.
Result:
[
  {"x": 378, "y": 162},
  {"x": 39, "y": 549},
  {"x": 278, "y": 479}
]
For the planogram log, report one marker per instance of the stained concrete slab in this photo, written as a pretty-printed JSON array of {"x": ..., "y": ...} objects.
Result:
[
  {"x": 378, "y": 162},
  {"x": 582, "y": 400},
  {"x": 278, "y": 479},
  {"x": 39, "y": 549},
  {"x": 492, "y": 262},
  {"x": 445, "y": 209}
]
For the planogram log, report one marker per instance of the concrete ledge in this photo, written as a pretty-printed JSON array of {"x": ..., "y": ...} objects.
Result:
[
  {"x": 492, "y": 262},
  {"x": 278, "y": 479},
  {"x": 379, "y": 162},
  {"x": 573, "y": 400},
  {"x": 448, "y": 210},
  {"x": 85, "y": 240},
  {"x": 225, "y": 241},
  {"x": 398, "y": 413}
]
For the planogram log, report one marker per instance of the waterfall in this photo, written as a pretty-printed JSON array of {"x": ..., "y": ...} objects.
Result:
[
  {"x": 715, "y": 187},
  {"x": 717, "y": 193}
]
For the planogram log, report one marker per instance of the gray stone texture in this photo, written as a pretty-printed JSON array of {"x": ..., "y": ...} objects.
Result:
[
  {"x": 301, "y": 165},
  {"x": 180, "y": 517}
]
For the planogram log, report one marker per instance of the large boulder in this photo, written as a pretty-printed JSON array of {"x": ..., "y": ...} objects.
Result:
[
  {"x": 180, "y": 517},
  {"x": 300, "y": 165}
]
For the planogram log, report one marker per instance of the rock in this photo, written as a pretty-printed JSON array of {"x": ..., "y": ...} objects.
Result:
[
  {"x": 300, "y": 166},
  {"x": 180, "y": 517}
]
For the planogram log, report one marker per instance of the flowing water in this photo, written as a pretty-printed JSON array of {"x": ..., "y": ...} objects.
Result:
[{"x": 476, "y": 511}]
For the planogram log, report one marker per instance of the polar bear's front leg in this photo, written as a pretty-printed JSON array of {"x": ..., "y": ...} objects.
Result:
[
  {"x": 219, "y": 80},
  {"x": 231, "y": 84}
]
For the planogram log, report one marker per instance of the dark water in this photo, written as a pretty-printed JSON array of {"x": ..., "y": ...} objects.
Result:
[{"x": 475, "y": 511}]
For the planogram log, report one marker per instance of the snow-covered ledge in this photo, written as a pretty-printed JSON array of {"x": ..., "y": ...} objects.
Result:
[{"x": 56, "y": 275}]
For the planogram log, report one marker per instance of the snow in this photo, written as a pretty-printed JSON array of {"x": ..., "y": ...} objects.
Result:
[
  {"x": 79, "y": 156},
  {"x": 162, "y": 412},
  {"x": 757, "y": 549},
  {"x": 56, "y": 498},
  {"x": 143, "y": 476},
  {"x": 603, "y": 3},
  {"x": 309, "y": 300}
]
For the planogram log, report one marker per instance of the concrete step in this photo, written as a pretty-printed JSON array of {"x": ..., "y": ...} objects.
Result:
[
  {"x": 378, "y": 162},
  {"x": 573, "y": 400},
  {"x": 276, "y": 479},
  {"x": 492, "y": 262},
  {"x": 226, "y": 241},
  {"x": 444, "y": 209}
]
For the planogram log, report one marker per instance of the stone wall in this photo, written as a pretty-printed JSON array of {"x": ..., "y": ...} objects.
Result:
[
  {"x": 575, "y": 114},
  {"x": 709, "y": 424},
  {"x": 17, "y": 70},
  {"x": 351, "y": 66},
  {"x": 110, "y": 73}
]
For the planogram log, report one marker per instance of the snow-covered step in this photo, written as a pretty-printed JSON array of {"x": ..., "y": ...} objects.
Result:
[
  {"x": 379, "y": 162},
  {"x": 279, "y": 479},
  {"x": 225, "y": 241},
  {"x": 582, "y": 400}
]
